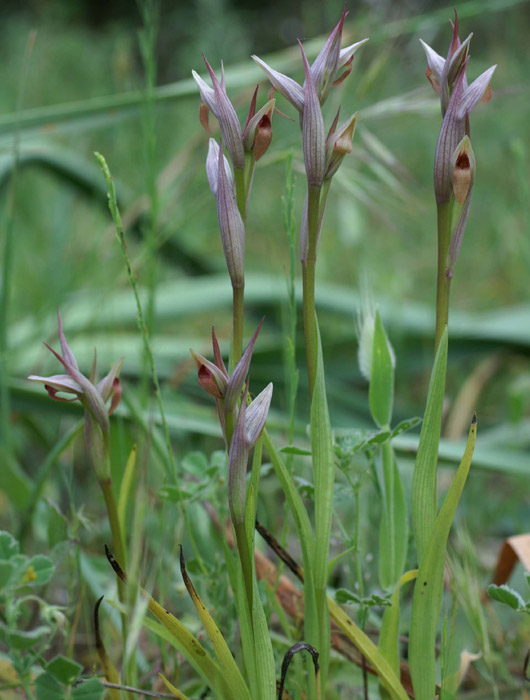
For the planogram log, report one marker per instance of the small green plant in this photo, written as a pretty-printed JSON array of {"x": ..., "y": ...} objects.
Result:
[
  {"x": 510, "y": 597},
  {"x": 29, "y": 625}
]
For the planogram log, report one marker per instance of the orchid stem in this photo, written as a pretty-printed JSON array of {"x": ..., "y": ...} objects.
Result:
[
  {"x": 238, "y": 308},
  {"x": 308, "y": 279},
  {"x": 445, "y": 212}
]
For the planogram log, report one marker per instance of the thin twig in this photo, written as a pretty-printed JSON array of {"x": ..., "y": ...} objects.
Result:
[{"x": 130, "y": 689}]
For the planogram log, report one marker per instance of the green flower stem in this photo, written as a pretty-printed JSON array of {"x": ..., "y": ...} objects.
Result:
[
  {"x": 308, "y": 280},
  {"x": 238, "y": 311},
  {"x": 445, "y": 213}
]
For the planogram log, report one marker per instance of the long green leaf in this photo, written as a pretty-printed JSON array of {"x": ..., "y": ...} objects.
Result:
[
  {"x": 428, "y": 589},
  {"x": 424, "y": 480}
]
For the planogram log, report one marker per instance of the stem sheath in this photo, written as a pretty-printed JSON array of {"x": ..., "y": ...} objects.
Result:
[{"x": 238, "y": 311}]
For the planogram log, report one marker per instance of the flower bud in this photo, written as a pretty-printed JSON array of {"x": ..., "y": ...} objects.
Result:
[
  {"x": 366, "y": 333},
  {"x": 325, "y": 64},
  {"x": 217, "y": 101},
  {"x": 313, "y": 134},
  {"x": 256, "y": 415},
  {"x": 338, "y": 145},
  {"x": 231, "y": 225}
]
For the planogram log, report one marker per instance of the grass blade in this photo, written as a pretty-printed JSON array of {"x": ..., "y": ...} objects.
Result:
[
  {"x": 172, "y": 689},
  {"x": 125, "y": 487}
]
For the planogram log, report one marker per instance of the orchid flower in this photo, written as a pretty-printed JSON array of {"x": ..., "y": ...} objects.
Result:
[
  {"x": 454, "y": 161},
  {"x": 249, "y": 422},
  {"x": 322, "y": 155},
  {"x": 225, "y": 388},
  {"x": 94, "y": 397},
  {"x": 256, "y": 133},
  {"x": 331, "y": 67}
]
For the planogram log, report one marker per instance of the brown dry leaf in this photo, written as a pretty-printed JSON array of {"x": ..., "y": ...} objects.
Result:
[{"x": 514, "y": 549}]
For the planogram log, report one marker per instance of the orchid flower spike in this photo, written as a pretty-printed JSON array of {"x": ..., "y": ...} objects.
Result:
[
  {"x": 331, "y": 67},
  {"x": 443, "y": 73},
  {"x": 217, "y": 101},
  {"x": 92, "y": 396},
  {"x": 215, "y": 380},
  {"x": 454, "y": 161},
  {"x": 257, "y": 132}
]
